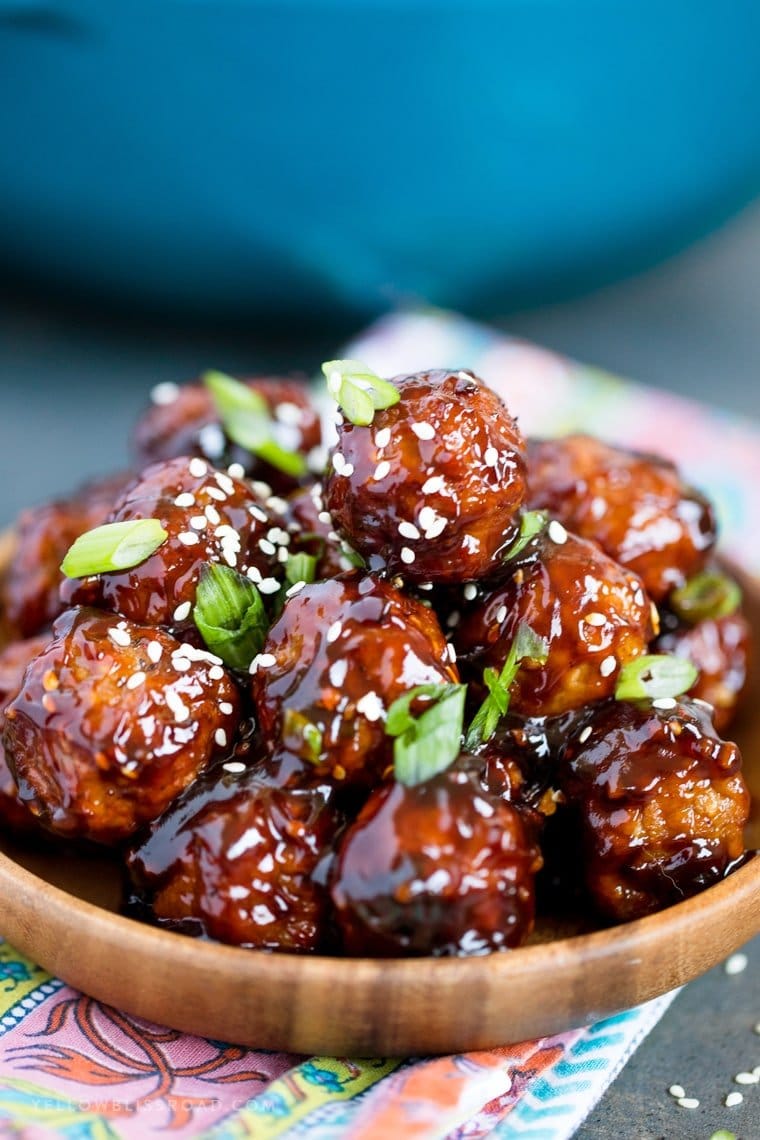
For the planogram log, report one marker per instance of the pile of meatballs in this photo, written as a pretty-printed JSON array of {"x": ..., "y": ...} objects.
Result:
[{"x": 262, "y": 806}]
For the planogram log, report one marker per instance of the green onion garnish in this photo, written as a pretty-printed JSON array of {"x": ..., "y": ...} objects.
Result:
[
  {"x": 427, "y": 744},
  {"x": 654, "y": 676},
  {"x": 358, "y": 390},
  {"x": 308, "y": 744},
  {"x": 300, "y": 567},
  {"x": 706, "y": 595},
  {"x": 246, "y": 419},
  {"x": 113, "y": 546},
  {"x": 230, "y": 615},
  {"x": 531, "y": 524},
  {"x": 527, "y": 646}
]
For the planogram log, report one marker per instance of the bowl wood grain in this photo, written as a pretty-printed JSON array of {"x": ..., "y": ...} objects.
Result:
[{"x": 61, "y": 912}]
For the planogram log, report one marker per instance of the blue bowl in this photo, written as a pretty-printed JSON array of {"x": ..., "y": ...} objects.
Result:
[{"x": 306, "y": 157}]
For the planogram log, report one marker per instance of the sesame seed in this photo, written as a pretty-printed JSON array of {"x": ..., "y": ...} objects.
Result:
[
  {"x": 736, "y": 964},
  {"x": 282, "y": 554},
  {"x": 180, "y": 662},
  {"x": 164, "y": 393},
  {"x": 262, "y": 489},
  {"x": 182, "y": 611},
  {"x": 733, "y": 1099},
  {"x": 216, "y": 493},
  {"x": 337, "y": 673},
  {"x": 338, "y": 462},
  {"x": 381, "y": 470},
  {"x": 294, "y": 589},
  {"x": 348, "y": 469},
  {"x": 451, "y": 652},
  {"x": 119, "y": 636},
  {"x": 258, "y": 514},
  {"x": 582, "y": 740},
  {"x": 220, "y": 736},
  {"x": 431, "y": 522},
  {"x": 756, "y": 1028},
  {"x": 236, "y": 470},
  {"x": 423, "y": 430},
  {"x": 491, "y": 457},
  {"x": 212, "y": 441},
  {"x": 470, "y": 591},
  {"x": 216, "y": 673},
  {"x": 226, "y": 708},
  {"x": 266, "y": 660},
  {"x": 186, "y": 499},
  {"x": 407, "y": 555},
  {"x": 234, "y": 766},
  {"x": 334, "y": 631},
  {"x": 155, "y": 651},
  {"x": 433, "y": 484},
  {"x": 278, "y": 535},
  {"x": 276, "y": 504},
  {"x": 225, "y": 482},
  {"x": 266, "y": 547},
  {"x": 136, "y": 680},
  {"x": 198, "y": 522},
  {"x": 557, "y": 532},
  {"x": 198, "y": 468},
  {"x": 325, "y": 517},
  {"x": 382, "y": 437},
  {"x": 408, "y": 530},
  {"x": 688, "y": 1102},
  {"x": 453, "y": 619},
  {"x": 677, "y": 1091},
  {"x": 425, "y": 586},
  {"x": 289, "y": 413},
  {"x": 370, "y": 706},
  {"x": 595, "y": 618},
  {"x": 254, "y": 573},
  {"x": 176, "y": 705},
  {"x": 746, "y": 1079},
  {"x": 608, "y": 666},
  {"x": 501, "y": 613},
  {"x": 213, "y": 516},
  {"x": 188, "y": 538},
  {"x": 269, "y": 586},
  {"x": 664, "y": 703}
]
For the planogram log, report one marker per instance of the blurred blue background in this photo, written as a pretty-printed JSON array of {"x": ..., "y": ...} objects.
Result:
[{"x": 320, "y": 160}]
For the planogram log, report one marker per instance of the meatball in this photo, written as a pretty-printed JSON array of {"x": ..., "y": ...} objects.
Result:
[
  {"x": 237, "y": 858},
  {"x": 661, "y": 803},
  {"x": 312, "y": 531},
  {"x": 443, "y": 868},
  {"x": 593, "y": 615},
  {"x": 111, "y": 722},
  {"x": 431, "y": 489},
  {"x": 209, "y": 517},
  {"x": 183, "y": 421},
  {"x": 636, "y": 507},
  {"x": 720, "y": 650},
  {"x": 14, "y": 817},
  {"x": 29, "y": 591},
  {"x": 339, "y": 654}
]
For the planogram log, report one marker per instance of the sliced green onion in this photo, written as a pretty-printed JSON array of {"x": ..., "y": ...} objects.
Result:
[
  {"x": 230, "y": 615},
  {"x": 300, "y": 567},
  {"x": 358, "y": 390},
  {"x": 113, "y": 546},
  {"x": 531, "y": 524},
  {"x": 308, "y": 743},
  {"x": 246, "y": 419},
  {"x": 706, "y": 595},
  {"x": 429, "y": 743},
  {"x": 653, "y": 676},
  {"x": 527, "y": 646}
]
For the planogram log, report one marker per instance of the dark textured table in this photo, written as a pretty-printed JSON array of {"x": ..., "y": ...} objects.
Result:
[{"x": 71, "y": 387}]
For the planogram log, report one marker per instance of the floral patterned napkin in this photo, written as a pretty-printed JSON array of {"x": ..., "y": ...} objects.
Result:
[{"x": 72, "y": 1067}]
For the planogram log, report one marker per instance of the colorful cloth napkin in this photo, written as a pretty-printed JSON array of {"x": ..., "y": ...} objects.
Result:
[{"x": 72, "y": 1067}]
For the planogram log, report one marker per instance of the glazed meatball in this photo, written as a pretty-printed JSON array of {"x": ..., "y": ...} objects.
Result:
[
  {"x": 111, "y": 722},
  {"x": 14, "y": 817},
  {"x": 431, "y": 489},
  {"x": 593, "y": 615},
  {"x": 237, "y": 859},
  {"x": 720, "y": 650},
  {"x": 443, "y": 868},
  {"x": 183, "y": 421},
  {"x": 311, "y": 531},
  {"x": 636, "y": 507},
  {"x": 209, "y": 517},
  {"x": 339, "y": 654},
  {"x": 661, "y": 803},
  {"x": 29, "y": 592}
]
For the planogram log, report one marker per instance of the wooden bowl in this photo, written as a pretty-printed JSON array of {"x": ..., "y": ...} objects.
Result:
[{"x": 61, "y": 912}]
